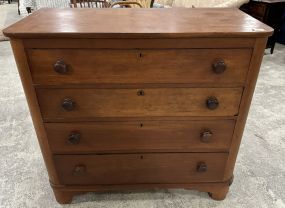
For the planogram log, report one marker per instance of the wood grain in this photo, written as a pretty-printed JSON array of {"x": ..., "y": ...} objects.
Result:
[
  {"x": 245, "y": 104},
  {"x": 153, "y": 43},
  {"x": 140, "y": 168},
  {"x": 126, "y": 102},
  {"x": 65, "y": 193},
  {"x": 136, "y": 95},
  {"x": 138, "y": 23},
  {"x": 139, "y": 66},
  {"x": 140, "y": 136},
  {"x": 26, "y": 79}
]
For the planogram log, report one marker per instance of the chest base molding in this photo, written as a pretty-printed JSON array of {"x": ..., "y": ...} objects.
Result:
[{"x": 65, "y": 194}]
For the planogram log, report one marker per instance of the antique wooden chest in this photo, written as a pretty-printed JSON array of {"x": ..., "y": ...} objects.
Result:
[{"x": 139, "y": 98}]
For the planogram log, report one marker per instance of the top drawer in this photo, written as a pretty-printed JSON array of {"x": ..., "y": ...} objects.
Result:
[{"x": 109, "y": 66}]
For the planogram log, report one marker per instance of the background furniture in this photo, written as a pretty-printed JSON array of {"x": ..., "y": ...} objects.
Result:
[
  {"x": 105, "y": 4},
  {"x": 126, "y": 4},
  {"x": 89, "y": 4},
  {"x": 202, "y": 3},
  {"x": 31, "y": 5},
  {"x": 281, "y": 33},
  {"x": 269, "y": 12},
  {"x": 37, "y": 4},
  {"x": 144, "y": 105},
  {"x": 144, "y": 3}
]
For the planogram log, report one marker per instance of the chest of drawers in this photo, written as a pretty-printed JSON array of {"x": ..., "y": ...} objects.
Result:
[{"x": 156, "y": 100}]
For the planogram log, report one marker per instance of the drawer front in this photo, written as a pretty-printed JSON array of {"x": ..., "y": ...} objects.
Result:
[
  {"x": 146, "y": 136},
  {"x": 138, "y": 66},
  {"x": 141, "y": 168},
  {"x": 90, "y": 103}
]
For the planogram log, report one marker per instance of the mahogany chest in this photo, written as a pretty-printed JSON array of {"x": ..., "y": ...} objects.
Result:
[{"x": 126, "y": 99}]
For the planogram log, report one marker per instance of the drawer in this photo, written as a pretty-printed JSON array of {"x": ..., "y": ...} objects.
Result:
[
  {"x": 140, "y": 168},
  {"x": 82, "y": 104},
  {"x": 194, "y": 66},
  {"x": 146, "y": 136}
]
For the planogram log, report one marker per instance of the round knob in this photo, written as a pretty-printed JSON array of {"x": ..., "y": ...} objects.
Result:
[
  {"x": 79, "y": 170},
  {"x": 60, "y": 67},
  {"x": 212, "y": 103},
  {"x": 74, "y": 138},
  {"x": 140, "y": 93},
  {"x": 219, "y": 66},
  {"x": 201, "y": 167},
  {"x": 206, "y": 135},
  {"x": 68, "y": 104}
]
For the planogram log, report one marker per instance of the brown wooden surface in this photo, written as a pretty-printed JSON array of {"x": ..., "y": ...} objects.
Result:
[
  {"x": 153, "y": 43},
  {"x": 26, "y": 79},
  {"x": 126, "y": 103},
  {"x": 139, "y": 66},
  {"x": 135, "y": 23},
  {"x": 126, "y": 4},
  {"x": 65, "y": 193},
  {"x": 134, "y": 131},
  {"x": 144, "y": 136},
  {"x": 141, "y": 168},
  {"x": 245, "y": 104},
  {"x": 139, "y": 118}
]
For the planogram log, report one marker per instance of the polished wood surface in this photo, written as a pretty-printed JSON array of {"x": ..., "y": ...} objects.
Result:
[
  {"x": 153, "y": 43},
  {"x": 140, "y": 168},
  {"x": 139, "y": 66},
  {"x": 123, "y": 107},
  {"x": 254, "y": 68},
  {"x": 140, "y": 136},
  {"x": 30, "y": 93},
  {"x": 180, "y": 22},
  {"x": 89, "y": 103}
]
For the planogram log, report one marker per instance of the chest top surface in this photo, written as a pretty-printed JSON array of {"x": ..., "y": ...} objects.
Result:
[{"x": 138, "y": 23}]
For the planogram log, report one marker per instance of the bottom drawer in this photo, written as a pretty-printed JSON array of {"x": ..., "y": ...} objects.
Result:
[{"x": 141, "y": 168}]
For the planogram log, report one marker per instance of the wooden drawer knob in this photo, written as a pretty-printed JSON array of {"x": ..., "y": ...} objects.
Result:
[
  {"x": 206, "y": 136},
  {"x": 74, "y": 138},
  {"x": 219, "y": 66},
  {"x": 60, "y": 67},
  {"x": 79, "y": 170},
  {"x": 201, "y": 167},
  {"x": 212, "y": 103},
  {"x": 68, "y": 104}
]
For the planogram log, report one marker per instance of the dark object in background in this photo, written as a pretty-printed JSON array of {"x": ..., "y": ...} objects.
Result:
[
  {"x": 281, "y": 33},
  {"x": 29, "y": 9},
  {"x": 271, "y": 12}
]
